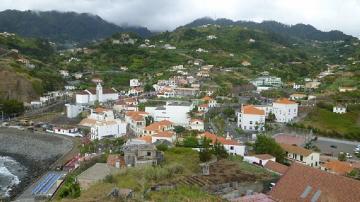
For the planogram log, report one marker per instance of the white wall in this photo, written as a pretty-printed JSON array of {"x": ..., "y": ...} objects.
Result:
[
  {"x": 99, "y": 131},
  {"x": 254, "y": 159},
  {"x": 248, "y": 121},
  {"x": 235, "y": 149},
  {"x": 285, "y": 113},
  {"x": 176, "y": 114}
]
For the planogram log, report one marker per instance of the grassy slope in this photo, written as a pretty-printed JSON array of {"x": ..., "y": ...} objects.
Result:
[{"x": 329, "y": 121}]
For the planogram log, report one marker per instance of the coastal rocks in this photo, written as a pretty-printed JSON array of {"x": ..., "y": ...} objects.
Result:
[{"x": 34, "y": 152}]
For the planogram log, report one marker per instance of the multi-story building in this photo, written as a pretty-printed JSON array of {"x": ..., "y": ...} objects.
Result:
[
  {"x": 176, "y": 112},
  {"x": 285, "y": 110},
  {"x": 251, "y": 118},
  {"x": 231, "y": 146},
  {"x": 89, "y": 96},
  {"x": 270, "y": 81},
  {"x": 136, "y": 120}
]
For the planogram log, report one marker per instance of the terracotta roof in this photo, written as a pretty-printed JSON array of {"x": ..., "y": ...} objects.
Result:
[
  {"x": 158, "y": 126},
  {"x": 304, "y": 183},
  {"x": 284, "y": 101},
  {"x": 136, "y": 115},
  {"x": 206, "y": 98},
  {"x": 250, "y": 109},
  {"x": 146, "y": 138},
  {"x": 296, "y": 149},
  {"x": 338, "y": 167},
  {"x": 215, "y": 138},
  {"x": 264, "y": 156},
  {"x": 164, "y": 134},
  {"x": 276, "y": 167},
  {"x": 101, "y": 110}
]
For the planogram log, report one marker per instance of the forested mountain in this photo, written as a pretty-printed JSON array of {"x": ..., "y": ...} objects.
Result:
[
  {"x": 61, "y": 26},
  {"x": 299, "y": 30}
]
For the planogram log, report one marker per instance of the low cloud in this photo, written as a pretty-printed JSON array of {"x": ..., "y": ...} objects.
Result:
[{"x": 168, "y": 14}]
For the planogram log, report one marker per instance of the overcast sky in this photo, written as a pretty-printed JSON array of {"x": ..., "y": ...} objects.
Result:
[{"x": 325, "y": 15}]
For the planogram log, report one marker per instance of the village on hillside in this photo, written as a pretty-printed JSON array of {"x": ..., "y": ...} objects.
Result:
[{"x": 183, "y": 133}]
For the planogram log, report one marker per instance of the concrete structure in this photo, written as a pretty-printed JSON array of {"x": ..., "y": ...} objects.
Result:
[
  {"x": 210, "y": 101},
  {"x": 67, "y": 130},
  {"x": 176, "y": 112},
  {"x": 301, "y": 155},
  {"x": 298, "y": 96},
  {"x": 126, "y": 104},
  {"x": 285, "y": 110},
  {"x": 136, "y": 155},
  {"x": 72, "y": 111},
  {"x": 251, "y": 118},
  {"x": 270, "y": 81},
  {"x": 95, "y": 174}
]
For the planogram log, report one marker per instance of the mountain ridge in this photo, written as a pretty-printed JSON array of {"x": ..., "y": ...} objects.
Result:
[
  {"x": 300, "y": 30},
  {"x": 62, "y": 26}
]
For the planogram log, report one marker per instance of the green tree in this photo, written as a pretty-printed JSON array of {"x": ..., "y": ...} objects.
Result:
[
  {"x": 267, "y": 145},
  {"x": 342, "y": 157},
  {"x": 205, "y": 152},
  {"x": 179, "y": 129},
  {"x": 191, "y": 141},
  {"x": 219, "y": 150}
]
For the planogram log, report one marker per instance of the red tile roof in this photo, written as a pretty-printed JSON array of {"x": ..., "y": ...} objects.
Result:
[
  {"x": 304, "y": 183},
  {"x": 158, "y": 126},
  {"x": 250, "y": 109},
  {"x": 215, "y": 138},
  {"x": 264, "y": 156},
  {"x": 296, "y": 149},
  {"x": 284, "y": 101},
  {"x": 276, "y": 167},
  {"x": 168, "y": 134},
  {"x": 146, "y": 138},
  {"x": 338, "y": 167}
]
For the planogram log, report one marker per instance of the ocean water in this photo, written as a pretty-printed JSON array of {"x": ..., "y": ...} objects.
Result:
[{"x": 11, "y": 173}]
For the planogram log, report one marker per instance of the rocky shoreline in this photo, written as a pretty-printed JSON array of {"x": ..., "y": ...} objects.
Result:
[{"x": 34, "y": 151}]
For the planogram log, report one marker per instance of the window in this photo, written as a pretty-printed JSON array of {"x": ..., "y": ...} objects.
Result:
[
  {"x": 301, "y": 158},
  {"x": 316, "y": 163},
  {"x": 231, "y": 147},
  {"x": 251, "y": 122},
  {"x": 148, "y": 154}
]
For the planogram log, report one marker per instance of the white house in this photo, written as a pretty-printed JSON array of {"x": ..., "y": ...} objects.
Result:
[
  {"x": 111, "y": 128},
  {"x": 103, "y": 124},
  {"x": 301, "y": 155},
  {"x": 285, "y": 110},
  {"x": 231, "y": 146},
  {"x": 269, "y": 81},
  {"x": 339, "y": 109},
  {"x": 164, "y": 135},
  {"x": 298, "y": 96},
  {"x": 89, "y": 96},
  {"x": 135, "y": 83},
  {"x": 197, "y": 124},
  {"x": 251, "y": 118},
  {"x": 210, "y": 101},
  {"x": 126, "y": 104},
  {"x": 259, "y": 159},
  {"x": 67, "y": 130},
  {"x": 176, "y": 112},
  {"x": 158, "y": 126},
  {"x": 136, "y": 120},
  {"x": 203, "y": 107},
  {"x": 64, "y": 73}
]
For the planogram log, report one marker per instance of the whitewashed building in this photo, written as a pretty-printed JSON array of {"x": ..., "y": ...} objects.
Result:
[
  {"x": 339, "y": 109},
  {"x": 233, "y": 147},
  {"x": 301, "y": 155},
  {"x": 99, "y": 94},
  {"x": 176, "y": 112},
  {"x": 251, "y": 118},
  {"x": 285, "y": 110},
  {"x": 135, "y": 83},
  {"x": 72, "y": 111},
  {"x": 259, "y": 159},
  {"x": 197, "y": 124}
]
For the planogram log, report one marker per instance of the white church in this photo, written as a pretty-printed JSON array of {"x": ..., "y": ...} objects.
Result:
[{"x": 89, "y": 96}]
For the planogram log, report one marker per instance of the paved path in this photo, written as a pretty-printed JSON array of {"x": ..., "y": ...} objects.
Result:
[{"x": 338, "y": 141}]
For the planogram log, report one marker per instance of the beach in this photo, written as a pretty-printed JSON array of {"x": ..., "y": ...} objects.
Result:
[{"x": 26, "y": 156}]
